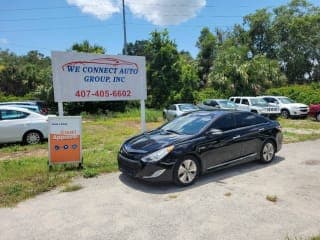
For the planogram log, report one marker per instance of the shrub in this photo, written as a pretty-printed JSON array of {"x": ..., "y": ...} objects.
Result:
[{"x": 301, "y": 93}]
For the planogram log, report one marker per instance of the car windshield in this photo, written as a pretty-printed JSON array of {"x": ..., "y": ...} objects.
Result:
[
  {"x": 226, "y": 104},
  {"x": 258, "y": 102},
  {"x": 187, "y": 107},
  {"x": 286, "y": 100},
  {"x": 189, "y": 124}
]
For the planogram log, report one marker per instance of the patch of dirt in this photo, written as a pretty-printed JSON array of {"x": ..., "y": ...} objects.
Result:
[
  {"x": 17, "y": 155},
  {"x": 302, "y": 131},
  {"x": 312, "y": 162}
]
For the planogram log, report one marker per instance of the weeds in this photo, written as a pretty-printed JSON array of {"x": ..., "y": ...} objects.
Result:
[
  {"x": 71, "y": 188},
  {"x": 272, "y": 198}
]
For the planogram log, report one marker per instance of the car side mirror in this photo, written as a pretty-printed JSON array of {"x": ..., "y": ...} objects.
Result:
[{"x": 214, "y": 132}]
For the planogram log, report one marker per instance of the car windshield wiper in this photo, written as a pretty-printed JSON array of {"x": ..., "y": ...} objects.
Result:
[{"x": 172, "y": 131}]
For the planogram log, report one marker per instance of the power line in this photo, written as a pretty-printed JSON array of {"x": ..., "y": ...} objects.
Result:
[
  {"x": 76, "y": 17},
  {"x": 100, "y": 26},
  {"x": 144, "y": 4}
]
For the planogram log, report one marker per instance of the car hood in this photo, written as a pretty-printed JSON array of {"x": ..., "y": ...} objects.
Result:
[
  {"x": 297, "y": 105},
  {"x": 152, "y": 141}
]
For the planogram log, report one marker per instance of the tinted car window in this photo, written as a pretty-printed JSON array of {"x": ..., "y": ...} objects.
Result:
[
  {"x": 11, "y": 114},
  {"x": 190, "y": 124},
  {"x": 245, "y": 101},
  {"x": 224, "y": 123},
  {"x": 237, "y": 100},
  {"x": 244, "y": 119},
  {"x": 172, "y": 107}
]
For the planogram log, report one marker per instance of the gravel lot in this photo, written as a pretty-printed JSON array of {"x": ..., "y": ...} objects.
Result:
[{"x": 229, "y": 204}]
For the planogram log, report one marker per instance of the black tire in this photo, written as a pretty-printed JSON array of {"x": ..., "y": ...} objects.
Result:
[
  {"x": 254, "y": 111},
  {"x": 186, "y": 171},
  {"x": 285, "y": 114},
  {"x": 318, "y": 117},
  {"x": 32, "y": 137},
  {"x": 267, "y": 152}
]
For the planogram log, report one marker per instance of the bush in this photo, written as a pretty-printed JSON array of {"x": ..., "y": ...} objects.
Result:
[{"x": 301, "y": 93}]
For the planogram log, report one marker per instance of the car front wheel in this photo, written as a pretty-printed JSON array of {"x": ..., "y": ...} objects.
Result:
[
  {"x": 267, "y": 152},
  {"x": 285, "y": 114},
  {"x": 318, "y": 117},
  {"x": 186, "y": 171},
  {"x": 32, "y": 137}
]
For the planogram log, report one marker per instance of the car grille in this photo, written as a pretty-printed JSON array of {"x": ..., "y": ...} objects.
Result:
[
  {"x": 303, "y": 109},
  {"x": 271, "y": 109},
  {"x": 128, "y": 166}
]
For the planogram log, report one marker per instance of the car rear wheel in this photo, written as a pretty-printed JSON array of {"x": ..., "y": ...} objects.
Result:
[
  {"x": 285, "y": 114},
  {"x": 32, "y": 137},
  {"x": 318, "y": 117},
  {"x": 186, "y": 171},
  {"x": 267, "y": 152}
]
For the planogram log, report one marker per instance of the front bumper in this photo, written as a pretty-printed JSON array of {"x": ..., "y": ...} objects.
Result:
[
  {"x": 153, "y": 172},
  {"x": 299, "y": 112}
]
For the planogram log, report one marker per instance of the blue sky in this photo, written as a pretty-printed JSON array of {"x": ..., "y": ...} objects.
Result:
[{"x": 57, "y": 24}]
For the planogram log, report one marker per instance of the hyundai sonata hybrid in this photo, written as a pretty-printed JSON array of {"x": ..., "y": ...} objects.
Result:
[{"x": 197, "y": 143}]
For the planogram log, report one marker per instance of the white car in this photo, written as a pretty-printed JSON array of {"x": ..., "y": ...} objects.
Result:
[
  {"x": 176, "y": 110},
  {"x": 257, "y": 105},
  {"x": 22, "y": 125},
  {"x": 288, "y": 107}
]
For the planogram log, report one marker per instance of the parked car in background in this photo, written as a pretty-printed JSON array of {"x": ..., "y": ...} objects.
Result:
[
  {"x": 212, "y": 104},
  {"x": 288, "y": 107},
  {"x": 22, "y": 125},
  {"x": 33, "y": 105},
  {"x": 314, "y": 111},
  {"x": 197, "y": 143},
  {"x": 176, "y": 110},
  {"x": 256, "y": 105}
]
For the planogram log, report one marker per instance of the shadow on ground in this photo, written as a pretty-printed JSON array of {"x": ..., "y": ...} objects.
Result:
[{"x": 215, "y": 176}]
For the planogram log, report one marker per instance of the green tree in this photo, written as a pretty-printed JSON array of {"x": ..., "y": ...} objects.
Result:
[
  {"x": 189, "y": 80},
  {"x": 298, "y": 39},
  {"x": 260, "y": 34},
  {"x": 86, "y": 47},
  {"x": 138, "y": 48},
  {"x": 238, "y": 74},
  {"x": 163, "y": 69},
  {"x": 207, "y": 44}
]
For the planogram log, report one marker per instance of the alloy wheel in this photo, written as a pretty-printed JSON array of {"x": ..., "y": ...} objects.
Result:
[
  {"x": 187, "y": 171},
  {"x": 268, "y": 152}
]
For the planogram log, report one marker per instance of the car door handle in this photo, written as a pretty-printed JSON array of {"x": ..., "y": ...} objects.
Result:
[
  {"x": 236, "y": 137},
  {"x": 261, "y": 129}
]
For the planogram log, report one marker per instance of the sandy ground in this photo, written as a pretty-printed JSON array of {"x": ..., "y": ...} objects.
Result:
[{"x": 229, "y": 204}]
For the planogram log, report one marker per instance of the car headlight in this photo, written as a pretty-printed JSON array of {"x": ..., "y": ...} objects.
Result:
[{"x": 158, "y": 155}]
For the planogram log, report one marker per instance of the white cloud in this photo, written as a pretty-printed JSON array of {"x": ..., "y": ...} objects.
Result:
[
  {"x": 158, "y": 12},
  {"x": 4, "y": 41},
  {"x": 102, "y": 9},
  {"x": 165, "y": 12}
]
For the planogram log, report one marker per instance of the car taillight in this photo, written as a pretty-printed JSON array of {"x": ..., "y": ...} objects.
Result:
[{"x": 279, "y": 128}]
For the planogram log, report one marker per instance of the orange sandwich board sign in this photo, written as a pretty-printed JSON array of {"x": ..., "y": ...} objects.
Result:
[{"x": 65, "y": 140}]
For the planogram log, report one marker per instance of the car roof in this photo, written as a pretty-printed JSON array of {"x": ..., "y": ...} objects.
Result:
[
  {"x": 17, "y": 109},
  {"x": 217, "y": 112}
]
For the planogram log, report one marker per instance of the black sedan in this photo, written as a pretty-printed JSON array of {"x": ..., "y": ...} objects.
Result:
[{"x": 199, "y": 142}]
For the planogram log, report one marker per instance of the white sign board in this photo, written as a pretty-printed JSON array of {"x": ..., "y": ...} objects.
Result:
[
  {"x": 79, "y": 77},
  {"x": 65, "y": 140}
]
